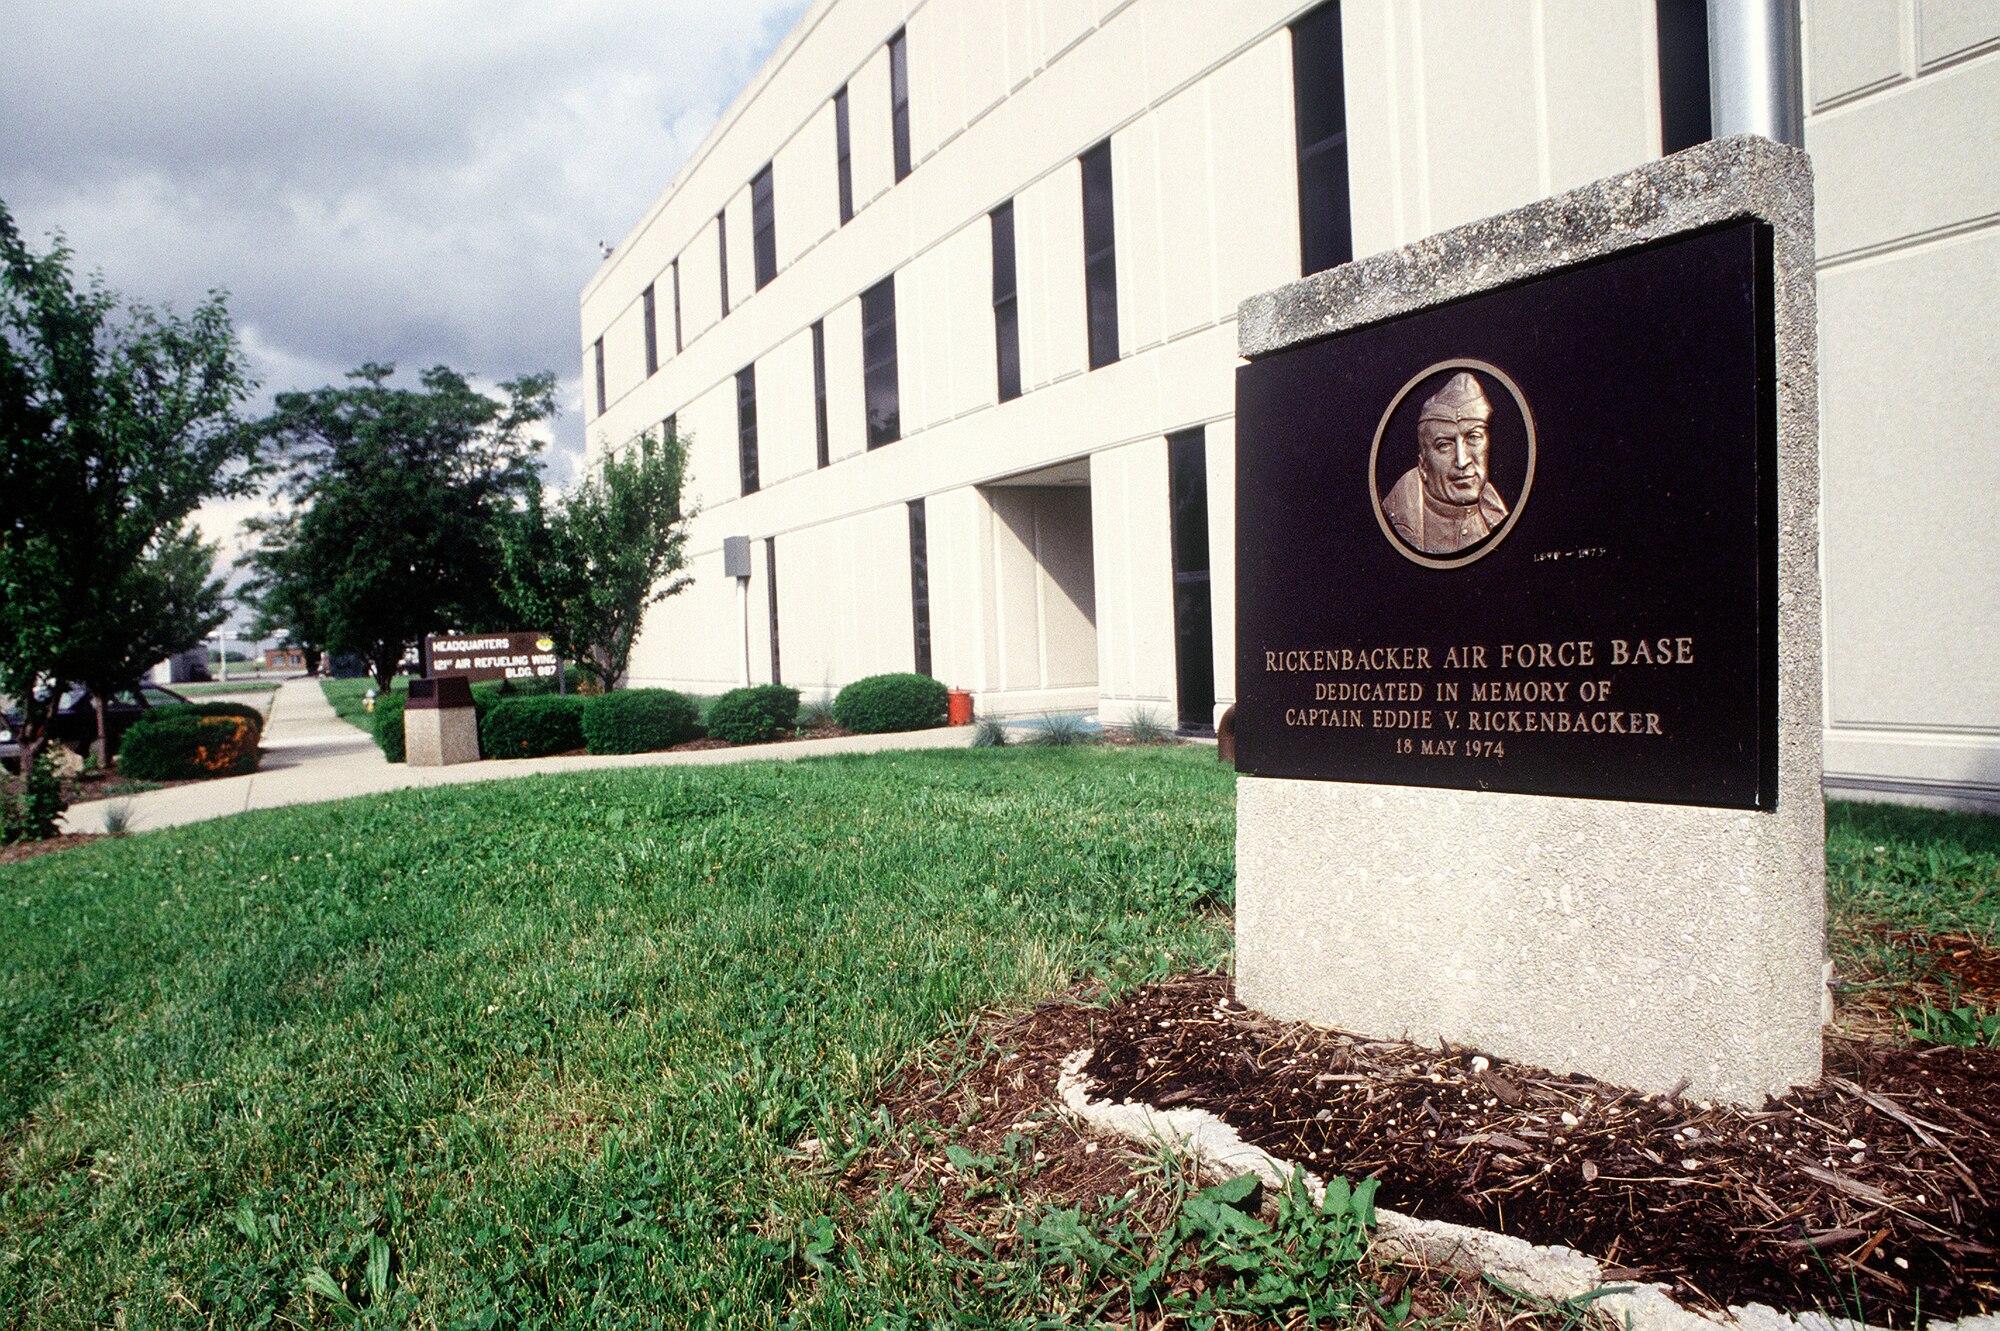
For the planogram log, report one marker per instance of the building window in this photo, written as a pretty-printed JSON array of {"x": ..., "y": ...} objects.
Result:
[
  {"x": 843, "y": 147},
  {"x": 670, "y": 428},
  {"x": 677, "y": 307},
  {"x": 899, "y": 101},
  {"x": 652, "y": 334},
  {"x": 1006, "y": 307},
  {"x": 722, "y": 255},
  {"x": 1684, "y": 107},
  {"x": 746, "y": 428},
  {"x": 1194, "y": 628},
  {"x": 819, "y": 390},
  {"x": 771, "y": 586},
  {"x": 1319, "y": 108},
  {"x": 597, "y": 352},
  {"x": 920, "y": 586},
  {"x": 878, "y": 363},
  {"x": 764, "y": 227},
  {"x": 1100, "y": 256}
]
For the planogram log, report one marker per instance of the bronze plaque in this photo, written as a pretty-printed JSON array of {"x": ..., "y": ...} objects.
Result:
[
  {"x": 487, "y": 656},
  {"x": 1524, "y": 542}
]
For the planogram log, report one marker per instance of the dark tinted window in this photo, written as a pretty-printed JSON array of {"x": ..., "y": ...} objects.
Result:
[
  {"x": 677, "y": 307},
  {"x": 652, "y": 333},
  {"x": 843, "y": 148},
  {"x": 920, "y": 586},
  {"x": 1684, "y": 113},
  {"x": 771, "y": 585},
  {"x": 746, "y": 428},
  {"x": 1319, "y": 99},
  {"x": 597, "y": 352},
  {"x": 899, "y": 100},
  {"x": 819, "y": 390},
  {"x": 722, "y": 255},
  {"x": 1100, "y": 258},
  {"x": 670, "y": 428},
  {"x": 1006, "y": 306},
  {"x": 1194, "y": 626},
  {"x": 878, "y": 363},
  {"x": 764, "y": 227}
]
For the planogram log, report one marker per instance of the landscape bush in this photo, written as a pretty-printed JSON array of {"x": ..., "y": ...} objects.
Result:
[
  {"x": 389, "y": 726},
  {"x": 753, "y": 715},
  {"x": 531, "y": 727},
  {"x": 32, "y": 805},
  {"x": 190, "y": 743},
  {"x": 639, "y": 721},
  {"x": 882, "y": 703}
]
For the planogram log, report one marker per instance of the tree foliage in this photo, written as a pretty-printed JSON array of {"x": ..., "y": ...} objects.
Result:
[
  {"x": 116, "y": 422},
  {"x": 589, "y": 567},
  {"x": 397, "y": 501}
]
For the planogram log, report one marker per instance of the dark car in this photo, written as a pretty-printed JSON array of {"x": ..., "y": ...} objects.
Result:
[{"x": 75, "y": 721}]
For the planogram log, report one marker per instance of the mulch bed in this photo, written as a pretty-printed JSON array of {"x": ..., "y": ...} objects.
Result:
[
  {"x": 27, "y": 850},
  {"x": 1876, "y": 1188}
]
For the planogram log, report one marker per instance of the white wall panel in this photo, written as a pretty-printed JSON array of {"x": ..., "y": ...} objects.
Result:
[
  {"x": 1138, "y": 199},
  {"x": 1048, "y": 259},
  {"x": 846, "y": 408},
  {"x": 958, "y": 609},
  {"x": 1947, "y": 29},
  {"x": 1255, "y": 167},
  {"x": 787, "y": 436},
  {"x": 873, "y": 146},
  {"x": 1062, "y": 23},
  {"x": 1222, "y": 556},
  {"x": 1182, "y": 198},
  {"x": 1479, "y": 112},
  {"x": 805, "y": 188},
  {"x": 710, "y": 421},
  {"x": 1135, "y": 607},
  {"x": 1600, "y": 63},
  {"x": 693, "y": 640},
  {"x": 1854, "y": 45},
  {"x": 701, "y": 284},
  {"x": 741, "y": 260},
  {"x": 844, "y": 598}
]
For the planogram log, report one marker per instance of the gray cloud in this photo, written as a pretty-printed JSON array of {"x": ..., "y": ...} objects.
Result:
[{"x": 370, "y": 179}]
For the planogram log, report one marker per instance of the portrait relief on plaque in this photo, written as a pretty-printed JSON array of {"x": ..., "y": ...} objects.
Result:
[{"x": 1453, "y": 462}]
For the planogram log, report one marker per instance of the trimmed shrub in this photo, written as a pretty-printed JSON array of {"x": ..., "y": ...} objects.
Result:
[
  {"x": 389, "y": 725},
  {"x": 31, "y": 807},
  {"x": 755, "y": 714},
  {"x": 189, "y": 744},
  {"x": 638, "y": 721},
  {"x": 531, "y": 727},
  {"x": 882, "y": 703}
]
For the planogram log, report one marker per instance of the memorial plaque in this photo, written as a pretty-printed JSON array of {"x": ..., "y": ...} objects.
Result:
[
  {"x": 1524, "y": 542},
  {"x": 488, "y": 656}
]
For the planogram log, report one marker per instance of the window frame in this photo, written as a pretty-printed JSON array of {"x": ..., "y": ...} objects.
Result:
[
  {"x": 823, "y": 438},
  {"x": 920, "y": 588},
  {"x": 880, "y": 368},
  {"x": 649, "y": 301},
  {"x": 899, "y": 102},
  {"x": 843, "y": 155},
  {"x": 598, "y": 351},
  {"x": 764, "y": 226},
  {"x": 746, "y": 430},
  {"x": 1326, "y": 207},
  {"x": 722, "y": 255},
  {"x": 1100, "y": 254},
  {"x": 1006, "y": 303}
]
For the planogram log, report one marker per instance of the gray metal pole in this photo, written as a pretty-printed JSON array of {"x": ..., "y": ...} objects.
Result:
[{"x": 1754, "y": 84}]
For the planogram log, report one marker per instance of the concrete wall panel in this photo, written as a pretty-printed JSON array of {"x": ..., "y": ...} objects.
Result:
[
  {"x": 1854, "y": 45},
  {"x": 1948, "y": 29}
]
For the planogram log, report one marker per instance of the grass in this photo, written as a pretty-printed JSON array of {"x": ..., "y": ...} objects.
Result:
[
  {"x": 349, "y": 698},
  {"x": 537, "y": 1052},
  {"x": 1917, "y": 869},
  {"x": 233, "y": 686}
]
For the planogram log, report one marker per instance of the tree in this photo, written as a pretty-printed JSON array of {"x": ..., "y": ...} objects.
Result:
[
  {"x": 610, "y": 549},
  {"x": 116, "y": 422},
  {"x": 281, "y": 591},
  {"x": 398, "y": 499}
]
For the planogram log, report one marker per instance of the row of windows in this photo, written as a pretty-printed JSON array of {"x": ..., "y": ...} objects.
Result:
[{"x": 1323, "y": 227}]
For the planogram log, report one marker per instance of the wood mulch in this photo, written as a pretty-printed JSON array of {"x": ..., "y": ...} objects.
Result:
[
  {"x": 27, "y": 850},
  {"x": 1875, "y": 1188}
]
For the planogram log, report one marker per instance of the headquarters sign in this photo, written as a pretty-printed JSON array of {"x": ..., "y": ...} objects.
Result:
[
  {"x": 482, "y": 657},
  {"x": 1524, "y": 542}
]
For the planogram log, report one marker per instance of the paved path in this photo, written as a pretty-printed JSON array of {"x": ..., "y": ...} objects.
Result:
[{"x": 311, "y": 755}]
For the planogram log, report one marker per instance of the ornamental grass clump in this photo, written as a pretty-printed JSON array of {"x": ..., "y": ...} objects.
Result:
[
  {"x": 880, "y": 704},
  {"x": 531, "y": 727},
  {"x": 753, "y": 715},
  {"x": 191, "y": 743},
  {"x": 639, "y": 721}
]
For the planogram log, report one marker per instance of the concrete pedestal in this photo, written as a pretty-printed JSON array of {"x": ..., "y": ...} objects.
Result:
[{"x": 440, "y": 727}]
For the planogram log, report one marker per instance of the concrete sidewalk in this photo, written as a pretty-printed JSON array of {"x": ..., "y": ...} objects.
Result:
[{"x": 311, "y": 755}]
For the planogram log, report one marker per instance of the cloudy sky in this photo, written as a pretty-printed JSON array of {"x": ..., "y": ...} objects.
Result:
[{"x": 417, "y": 181}]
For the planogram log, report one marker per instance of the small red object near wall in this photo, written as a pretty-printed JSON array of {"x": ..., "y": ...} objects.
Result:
[{"x": 961, "y": 707}]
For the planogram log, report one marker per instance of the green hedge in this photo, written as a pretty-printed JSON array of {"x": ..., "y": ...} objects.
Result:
[
  {"x": 882, "y": 703},
  {"x": 191, "y": 743},
  {"x": 389, "y": 725},
  {"x": 531, "y": 727},
  {"x": 755, "y": 714},
  {"x": 639, "y": 721}
]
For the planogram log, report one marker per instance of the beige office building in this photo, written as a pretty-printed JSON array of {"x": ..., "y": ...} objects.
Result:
[{"x": 946, "y": 305}]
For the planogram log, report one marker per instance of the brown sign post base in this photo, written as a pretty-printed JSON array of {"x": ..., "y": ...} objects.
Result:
[{"x": 440, "y": 727}]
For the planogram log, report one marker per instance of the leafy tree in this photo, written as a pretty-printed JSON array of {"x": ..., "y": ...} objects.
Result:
[
  {"x": 589, "y": 568},
  {"x": 398, "y": 498},
  {"x": 116, "y": 422},
  {"x": 281, "y": 591}
]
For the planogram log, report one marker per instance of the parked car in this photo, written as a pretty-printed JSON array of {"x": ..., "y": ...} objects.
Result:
[{"x": 75, "y": 721}]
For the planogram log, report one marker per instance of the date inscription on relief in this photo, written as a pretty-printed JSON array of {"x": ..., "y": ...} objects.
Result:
[{"x": 1525, "y": 542}]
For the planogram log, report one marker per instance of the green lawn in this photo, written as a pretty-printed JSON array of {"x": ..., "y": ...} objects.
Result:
[
  {"x": 534, "y": 1052},
  {"x": 348, "y": 697}
]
